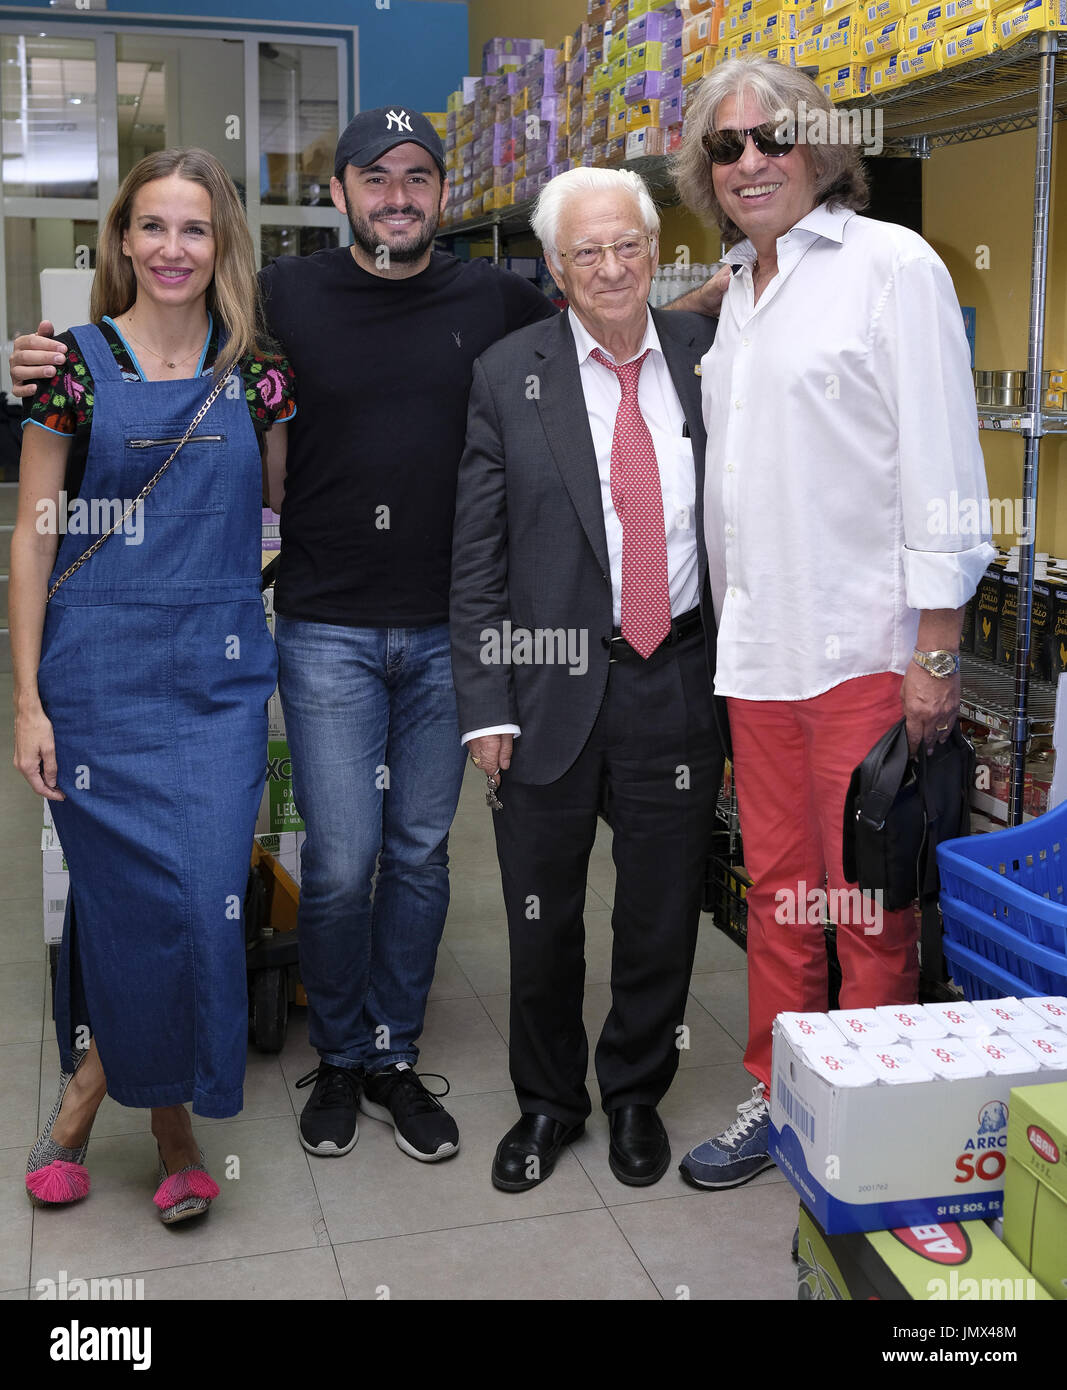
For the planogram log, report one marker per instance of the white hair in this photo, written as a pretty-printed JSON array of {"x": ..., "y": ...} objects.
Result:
[{"x": 550, "y": 201}]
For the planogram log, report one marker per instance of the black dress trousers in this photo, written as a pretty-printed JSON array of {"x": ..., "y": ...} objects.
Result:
[{"x": 654, "y": 758}]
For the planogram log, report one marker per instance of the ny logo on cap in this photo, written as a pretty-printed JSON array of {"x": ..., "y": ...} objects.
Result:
[{"x": 403, "y": 120}]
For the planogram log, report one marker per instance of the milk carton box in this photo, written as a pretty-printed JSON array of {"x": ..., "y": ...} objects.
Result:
[
  {"x": 911, "y": 1021},
  {"x": 1051, "y": 1008},
  {"x": 961, "y": 1020},
  {"x": 1001, "y": 1053},
  {"x": 1008, "y": 1015},
  {"x": 950, "y": 1058},
  {"x": 862, "y": 1027},
  {"x": 1048, "y": 1048},
  {"x": 895, "y": 1064}
]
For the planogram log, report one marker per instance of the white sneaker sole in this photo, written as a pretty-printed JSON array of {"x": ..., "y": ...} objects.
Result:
[
  {"x": 328, "y": 1149},
  {"x": 380, "y": 1112}
]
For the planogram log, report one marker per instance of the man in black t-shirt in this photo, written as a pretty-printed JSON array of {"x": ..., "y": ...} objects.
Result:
[{"x": 382, "y": 337}]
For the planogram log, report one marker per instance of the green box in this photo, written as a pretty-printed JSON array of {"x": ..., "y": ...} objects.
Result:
[
  {"x": 1035, "y": 1183},
  {"x": 1037, "y": 1133},
  {"x": 946, "y": 1261},
  {"x": 282, "y": 812}
]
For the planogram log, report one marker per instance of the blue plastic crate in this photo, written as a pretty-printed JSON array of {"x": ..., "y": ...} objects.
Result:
[{"x": 1004, "y": 906}]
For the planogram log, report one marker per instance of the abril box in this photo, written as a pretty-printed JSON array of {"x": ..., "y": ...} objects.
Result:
[
  {"x": 869, "y": 1156},
  {"x": 934, "y": 1262},
  {"x": 1035, "y": 1189}
]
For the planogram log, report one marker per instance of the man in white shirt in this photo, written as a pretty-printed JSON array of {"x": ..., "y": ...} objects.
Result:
[
  {"x": 581, "y": 635},
  {"x": 841, "y": 426}
]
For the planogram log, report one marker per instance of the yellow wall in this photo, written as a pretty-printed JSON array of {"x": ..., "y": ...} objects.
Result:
[
  {"x": 980, "y": 195},
  {"x": 520, "y": 19}
]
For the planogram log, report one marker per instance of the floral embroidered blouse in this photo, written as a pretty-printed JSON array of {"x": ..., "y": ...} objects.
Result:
[{"x": 64, "y": 403}]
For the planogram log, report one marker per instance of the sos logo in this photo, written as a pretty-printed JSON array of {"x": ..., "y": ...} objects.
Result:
[{"x": 988, "y": 1166}]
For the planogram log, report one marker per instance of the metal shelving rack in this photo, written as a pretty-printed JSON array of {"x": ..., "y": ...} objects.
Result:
[{"x": 1014, "y": 89}]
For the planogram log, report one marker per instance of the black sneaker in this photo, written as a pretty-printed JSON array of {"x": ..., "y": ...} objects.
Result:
[
  {"x": 422, "y": 1126},
  {"x": 328, "y": 1124}
]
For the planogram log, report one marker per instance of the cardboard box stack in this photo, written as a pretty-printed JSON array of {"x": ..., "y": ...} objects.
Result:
[{"x": 618, "y": 87}]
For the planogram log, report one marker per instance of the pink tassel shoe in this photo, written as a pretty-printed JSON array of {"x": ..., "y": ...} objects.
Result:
[
  {"x": 56, "y": 1176},
  {"x": 184, "y": 1194}
]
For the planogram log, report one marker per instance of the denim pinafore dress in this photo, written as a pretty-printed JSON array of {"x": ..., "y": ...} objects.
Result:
[{"x": 156, "y": 669}]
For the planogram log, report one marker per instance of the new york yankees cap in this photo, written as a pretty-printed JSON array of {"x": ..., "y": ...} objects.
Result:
[{"x": 367, "y": 138}]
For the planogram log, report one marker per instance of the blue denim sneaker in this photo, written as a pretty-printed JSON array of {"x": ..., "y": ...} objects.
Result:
[{"x": 738, "y": 1153}]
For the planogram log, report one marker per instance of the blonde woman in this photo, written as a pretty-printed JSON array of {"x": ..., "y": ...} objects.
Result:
[{"x": 142, "y": 668}]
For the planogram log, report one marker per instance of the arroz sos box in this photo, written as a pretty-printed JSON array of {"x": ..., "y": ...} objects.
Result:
[{"x": 875, "y": 1134}]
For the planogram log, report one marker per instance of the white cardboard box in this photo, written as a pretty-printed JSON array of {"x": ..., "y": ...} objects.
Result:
[
  {"x": 55, "y": 902},
  {"x": 875, "y": 1157}
]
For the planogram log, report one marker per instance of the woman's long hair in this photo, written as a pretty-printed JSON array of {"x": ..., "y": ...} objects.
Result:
[{"x": 233, "y": 295}]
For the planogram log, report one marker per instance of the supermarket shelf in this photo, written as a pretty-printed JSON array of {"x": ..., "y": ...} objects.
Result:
[
  {"x": 988, "y": 697},
  {"x": 1019, "y": 422},
  {"x": 991, "y": 95},
  {"x": 993, "y": 807},
  {"x": 515, "y": 220}
]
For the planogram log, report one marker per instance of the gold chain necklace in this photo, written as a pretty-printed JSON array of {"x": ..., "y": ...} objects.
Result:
[{"x": 176, "y": 363}]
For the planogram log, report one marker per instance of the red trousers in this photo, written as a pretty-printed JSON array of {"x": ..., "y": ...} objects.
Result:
[{"x": 792, "y": 763}]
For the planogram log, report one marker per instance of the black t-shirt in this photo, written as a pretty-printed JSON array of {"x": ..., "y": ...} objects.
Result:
[{"x": 385, "y": 370}]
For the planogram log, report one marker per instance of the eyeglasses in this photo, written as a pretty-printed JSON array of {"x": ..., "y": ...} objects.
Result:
[
  {"x": 627, "y": 248},
  {"x": 727, "y": 146}
]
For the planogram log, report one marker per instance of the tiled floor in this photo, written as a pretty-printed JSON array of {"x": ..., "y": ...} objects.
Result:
[{"x": 375, "y": 1223}]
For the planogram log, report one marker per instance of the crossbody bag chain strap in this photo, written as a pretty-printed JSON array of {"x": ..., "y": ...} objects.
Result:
[{"x": 71, "y": 569}]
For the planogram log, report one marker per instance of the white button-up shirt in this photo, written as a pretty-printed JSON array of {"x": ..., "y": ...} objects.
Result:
[
  {"x": 842, "y": 451},
  {"x": 665, "y": 419}
]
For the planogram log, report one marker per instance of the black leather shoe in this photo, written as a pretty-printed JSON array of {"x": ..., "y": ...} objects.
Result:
[
  {"x": 527, "y": 1153},
  {"x": 639, "y": 1153}
]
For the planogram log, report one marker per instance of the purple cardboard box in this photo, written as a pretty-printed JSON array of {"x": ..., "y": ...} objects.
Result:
[{"x": 654, "y": 27}]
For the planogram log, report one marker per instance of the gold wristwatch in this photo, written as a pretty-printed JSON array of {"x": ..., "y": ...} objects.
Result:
[{"x": 940, "y": 664}]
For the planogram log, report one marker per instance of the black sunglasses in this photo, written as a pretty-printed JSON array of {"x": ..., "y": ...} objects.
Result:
[{"x": 727, "y": 146}]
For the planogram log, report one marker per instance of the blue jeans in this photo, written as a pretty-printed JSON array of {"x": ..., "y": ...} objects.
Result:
[{"x": 371, "y": 719}]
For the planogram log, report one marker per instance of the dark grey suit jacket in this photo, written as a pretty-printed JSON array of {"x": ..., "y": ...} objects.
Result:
[{"x": 530, "y": 546}]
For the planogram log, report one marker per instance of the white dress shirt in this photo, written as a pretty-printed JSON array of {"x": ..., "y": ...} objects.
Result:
[
  {"x": 674, "y": 454},
  {"x": 842, "y": 431}
]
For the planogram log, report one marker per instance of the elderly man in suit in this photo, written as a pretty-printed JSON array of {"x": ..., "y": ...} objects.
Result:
[{"x": 582, "y": 647}]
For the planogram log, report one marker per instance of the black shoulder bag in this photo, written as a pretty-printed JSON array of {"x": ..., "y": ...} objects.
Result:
[{"x": 898, "y": 809}]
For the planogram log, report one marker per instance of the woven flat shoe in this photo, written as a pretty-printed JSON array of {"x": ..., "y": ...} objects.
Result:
[
  {"x": 185, "y": 1194},
  {"x": 56, "y": 1176}
]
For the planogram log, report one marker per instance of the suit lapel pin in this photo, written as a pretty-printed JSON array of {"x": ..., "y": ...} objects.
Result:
[{"x": 696, "y": 370}]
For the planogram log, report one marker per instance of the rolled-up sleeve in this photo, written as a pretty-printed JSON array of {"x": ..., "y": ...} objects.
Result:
[{"x": 920, "y": 354}]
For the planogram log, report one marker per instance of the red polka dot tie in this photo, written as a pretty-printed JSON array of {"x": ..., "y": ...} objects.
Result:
[{"x": 638, "y": 500}]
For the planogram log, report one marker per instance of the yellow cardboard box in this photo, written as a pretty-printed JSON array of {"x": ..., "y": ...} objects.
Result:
[
  {"x": 877, "y": 43},
  {"x": 921, "y": 61},
  {"x": 922, "y": 25},
  {"x": 1032, "y": 17},
  {"x": 838, "y": 83},
  {"x": 879, "y": 12},
  {"x": 963, "y": 11},
  {"x": 968, "y": 41},
  {"x": 693, "y": 66}
]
